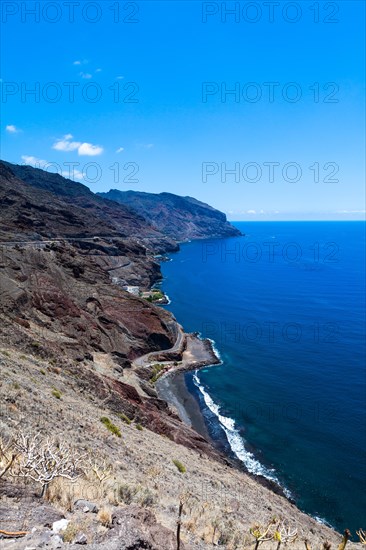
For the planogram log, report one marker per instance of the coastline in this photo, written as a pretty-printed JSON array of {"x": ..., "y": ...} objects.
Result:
[
  {"x": 171, "y": 387},
  {"x": 174, "y": 391},
  {"x": 188, "y": 395}
]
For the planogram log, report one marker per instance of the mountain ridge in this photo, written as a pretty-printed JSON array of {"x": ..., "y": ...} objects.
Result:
[
  {"x": 128, "y": 218},
  {"x": 181, "y": 218}
]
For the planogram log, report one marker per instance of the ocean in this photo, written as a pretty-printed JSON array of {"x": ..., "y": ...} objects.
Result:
[{"x": 285, "y": 308}]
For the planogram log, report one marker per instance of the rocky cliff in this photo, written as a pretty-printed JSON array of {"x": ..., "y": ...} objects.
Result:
[{"x": 181, "y": 218}]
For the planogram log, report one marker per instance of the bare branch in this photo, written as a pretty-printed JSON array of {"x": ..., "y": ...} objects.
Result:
[{"x": 44, "y": 459}]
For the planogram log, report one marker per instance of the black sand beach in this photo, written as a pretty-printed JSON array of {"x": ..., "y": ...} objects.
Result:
[{"x": 172, "y": 386}]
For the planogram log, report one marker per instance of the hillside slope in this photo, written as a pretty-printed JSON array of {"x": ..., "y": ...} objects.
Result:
[
  {"x": 181, "y": 218},
  {"x": 51, "y": 205},
  {"x": 79, "y": 361}
]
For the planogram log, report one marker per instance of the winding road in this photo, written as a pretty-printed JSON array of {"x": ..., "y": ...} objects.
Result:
[{"x": 147, "y": 359}]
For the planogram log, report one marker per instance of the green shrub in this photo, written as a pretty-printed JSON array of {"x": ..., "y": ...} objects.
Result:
[
  {"x": 139, "y": 427},
  {"x": 42, "y": 371},
  {"x": 124, "y": 418},
  {"x": 156, "y": 372},
  {"x": 157, "y": 295},
  {"x": 179, "y": 466},
  {"x": 56, "y": 393},
  {"x": 110, "y": 426}
]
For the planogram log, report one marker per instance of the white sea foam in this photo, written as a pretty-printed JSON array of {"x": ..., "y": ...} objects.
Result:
[
  {"x": 323, "y": 521},
  {"x": 216, "y": 351},
  {"x": 213, "y": 345},
  {"x": 235, "y": 440}
]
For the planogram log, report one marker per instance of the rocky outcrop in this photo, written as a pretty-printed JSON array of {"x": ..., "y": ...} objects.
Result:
[
  {"x": 138, "y": 528},
  {"x": 131, "y": 528},
  {"x": 181, "y": 218}
]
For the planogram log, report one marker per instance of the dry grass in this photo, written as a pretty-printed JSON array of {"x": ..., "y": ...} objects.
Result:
[
  {"x": 63, "y": 493},
  {"x": 105, "y": 516},
  {"x": 70, "y": 532}
]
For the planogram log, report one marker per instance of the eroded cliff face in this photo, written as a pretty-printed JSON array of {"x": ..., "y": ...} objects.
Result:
[
  {"x": 63, "y": 302},
  {"x": 181, "y": 218}
]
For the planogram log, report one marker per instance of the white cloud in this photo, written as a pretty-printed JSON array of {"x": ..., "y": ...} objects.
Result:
[
  {"x": 87, "y": 149},
  {"x": 65, "y": 144},
  {"x": 77, "y": 63},
  {"x": 120, "y": 149},
  {"x": 90, "y": 150},
  {"x": 119, "y": 77},
  {"x": 71, "y": 173},
  {"x": 86, "y": 75},
  {"x": 75, "y": 174},
  {"x": 98, "y": 70},
  {"x": 251, "y": 212},
  {"x": 34, "y": 161},
  {"x": 12, "y": 129}
]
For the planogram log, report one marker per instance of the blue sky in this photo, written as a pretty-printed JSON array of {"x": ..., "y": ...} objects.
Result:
[{"x": 287, "y": 144}]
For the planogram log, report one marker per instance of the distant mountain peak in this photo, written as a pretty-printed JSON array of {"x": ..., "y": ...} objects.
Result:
[{"x": 181, "y": 218}]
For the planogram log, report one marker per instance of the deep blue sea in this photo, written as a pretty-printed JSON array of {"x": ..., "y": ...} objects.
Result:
[{"x": 285, "y": 306}]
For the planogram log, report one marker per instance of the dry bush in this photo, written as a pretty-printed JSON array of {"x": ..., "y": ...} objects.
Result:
[
  {"x": 43, "y": 459},
  {"x": 64, "y": 493},
  {"x": 200, "y": 519},
  {"x": 362, "y": 536},
  {"x": 61, "y": 493},
  {"x": 111, "y": 497},
  {"x": 70, "y": 532},
  {"x": 7, "y": 456},
  {"x": 105, "y": 516},
  {"x": 98, "y": 468}
]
